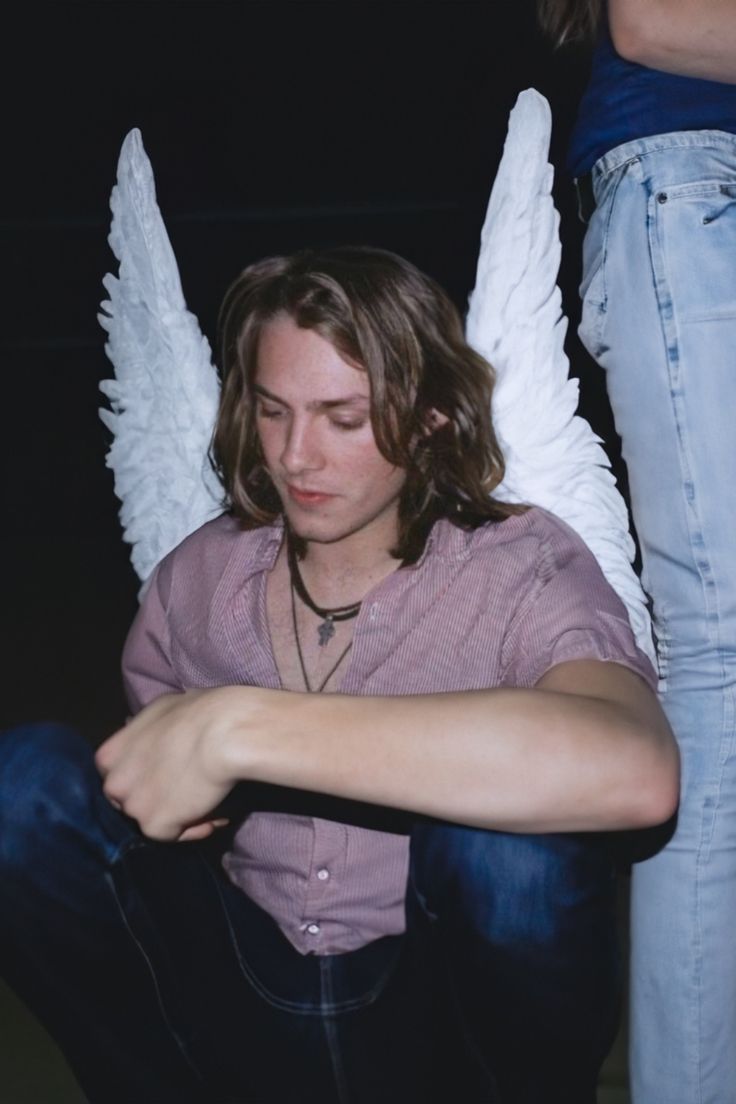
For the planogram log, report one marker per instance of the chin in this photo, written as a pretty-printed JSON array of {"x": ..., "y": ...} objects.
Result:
[
  {"x": 318, "y": 534},
  {"x": 319, "y": 530},
  {"x": 311, "y": 529}
]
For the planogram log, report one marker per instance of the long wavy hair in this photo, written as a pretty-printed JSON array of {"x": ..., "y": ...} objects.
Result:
[
  {"x": 390, "y": 320},
  {"x": 570, "y": 20}
]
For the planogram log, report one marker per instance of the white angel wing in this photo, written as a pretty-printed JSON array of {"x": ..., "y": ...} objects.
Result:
[
  {"x": 165, "y": 395},
  {"x": 515, "y": 320},
  {"x": 164, "y": 399}
]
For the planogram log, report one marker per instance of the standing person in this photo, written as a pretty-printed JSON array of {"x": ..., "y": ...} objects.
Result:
[
  {"x": 425, "y": 708},
  {"x": 654, "y": 154}
]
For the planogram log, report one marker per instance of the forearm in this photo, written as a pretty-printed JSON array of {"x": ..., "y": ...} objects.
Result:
[
  {"x": 694, "y": 38},
  {"x": 517, "y": 760}
]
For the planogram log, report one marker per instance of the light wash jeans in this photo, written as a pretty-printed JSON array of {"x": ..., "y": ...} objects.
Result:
[{"x": 659, "y": 315}]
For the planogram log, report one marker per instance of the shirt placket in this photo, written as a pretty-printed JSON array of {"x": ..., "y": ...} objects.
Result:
[{"x": 325, "y": 875}]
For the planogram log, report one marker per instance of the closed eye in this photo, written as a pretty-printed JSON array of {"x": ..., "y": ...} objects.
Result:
[
  {"x": 348, "y": 424},
  {"x": 270, "y": 411}
]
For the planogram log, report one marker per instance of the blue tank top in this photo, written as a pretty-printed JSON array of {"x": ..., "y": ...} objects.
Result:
[{"x": 624, "y": 101}]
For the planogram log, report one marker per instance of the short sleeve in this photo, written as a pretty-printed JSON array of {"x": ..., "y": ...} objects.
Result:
[
  {"x": 569, "y": 612},
  {"x": 147, "y": 669}
]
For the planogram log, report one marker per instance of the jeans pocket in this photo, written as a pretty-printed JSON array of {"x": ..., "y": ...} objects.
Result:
[
  {"x": 593, "y": 312},
  {"x": 696, "y": 230},
  {"x": 296, "y": 983},
  {"x": 593, "y": 287}
]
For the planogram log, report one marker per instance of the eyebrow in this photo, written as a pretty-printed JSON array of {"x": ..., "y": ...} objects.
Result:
[{"x": 316, "y": 404}]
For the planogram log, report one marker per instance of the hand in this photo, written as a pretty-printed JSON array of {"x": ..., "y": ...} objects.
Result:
[{"x": 167, "y": 768}]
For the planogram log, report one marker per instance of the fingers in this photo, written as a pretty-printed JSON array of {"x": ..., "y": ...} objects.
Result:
[
  {"x": 202, "y": 831},
  {"x": 115, "y": 799},
  {"x": 101, "y": 757},
  {"x": 107, "y": 753}
]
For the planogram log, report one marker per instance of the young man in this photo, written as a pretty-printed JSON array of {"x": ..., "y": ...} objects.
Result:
[{"x": 418, "y": 900}]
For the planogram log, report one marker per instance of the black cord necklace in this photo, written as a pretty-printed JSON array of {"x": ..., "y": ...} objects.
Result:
[
  {"x": 302, "y": 664},
  {"x": 325, "y": 630}
]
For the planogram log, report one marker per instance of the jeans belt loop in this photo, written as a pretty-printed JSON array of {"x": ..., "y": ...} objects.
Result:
[{"x": 586, "y": 196}]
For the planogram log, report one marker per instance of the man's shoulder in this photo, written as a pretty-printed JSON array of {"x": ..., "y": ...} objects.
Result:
[
  {"x": 205, "y": 553},
  {"x": 523, "y": 553},
  {"x": 533, "y": 536},
  {"x": 221, "y": 534}
]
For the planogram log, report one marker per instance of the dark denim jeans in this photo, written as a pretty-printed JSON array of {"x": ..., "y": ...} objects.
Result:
[{"x": 165, "y": 984}]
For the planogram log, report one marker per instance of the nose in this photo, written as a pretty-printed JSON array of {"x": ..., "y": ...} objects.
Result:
[{"x": 301, "y": 450}]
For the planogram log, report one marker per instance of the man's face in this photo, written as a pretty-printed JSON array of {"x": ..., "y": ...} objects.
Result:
[{"x": 313, "y": 419}]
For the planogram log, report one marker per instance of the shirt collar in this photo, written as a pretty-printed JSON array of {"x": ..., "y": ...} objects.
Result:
[
  {"x": 445, "y": 540},
  {"x": 263, "y": 546}
]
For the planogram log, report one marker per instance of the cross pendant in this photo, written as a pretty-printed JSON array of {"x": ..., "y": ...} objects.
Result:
[{"x": 326, "y": 631}]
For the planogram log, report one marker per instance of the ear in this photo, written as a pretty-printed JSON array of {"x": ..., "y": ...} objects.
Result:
[{"x": 434, "y": 421}]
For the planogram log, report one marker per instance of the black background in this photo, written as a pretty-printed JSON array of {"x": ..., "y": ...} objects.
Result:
[{"x": 270, "y": 126}]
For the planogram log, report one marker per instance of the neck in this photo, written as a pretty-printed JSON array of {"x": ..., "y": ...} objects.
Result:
[
  {"x": 346, "y": 569},
  {"x": 336, "y": 559}
]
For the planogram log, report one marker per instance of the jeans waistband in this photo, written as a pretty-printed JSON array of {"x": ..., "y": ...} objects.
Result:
[
  {"x": 679, "y": 139},
  {"x": 585, "y": 185}
]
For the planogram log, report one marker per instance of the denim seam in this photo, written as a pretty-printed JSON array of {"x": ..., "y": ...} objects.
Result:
[
  {"x": 470, "y": 1040},
  {"x": 643, "y": 147},
  {"x": 707, "y": 827},
  {"x": 672, "y": 355},
  {"x": 621, "y": 167},
  {"x": 420, "y": 898},
  {"x": 672, "y": 351},
  {"x": 601, "y": 306},
  {"x": 624, "y": 169},
  {"x": 697, "y": 977},
  {"x": 297, "y": 1007},
  {"x": 330, "y": 1029},
  {"x": 159, "y": 998}
]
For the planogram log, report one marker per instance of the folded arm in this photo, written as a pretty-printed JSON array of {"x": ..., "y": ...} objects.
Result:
[{"x": 587, "y": 749}]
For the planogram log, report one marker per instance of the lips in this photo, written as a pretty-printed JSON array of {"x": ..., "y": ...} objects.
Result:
[{"x": 307, "y": 497}]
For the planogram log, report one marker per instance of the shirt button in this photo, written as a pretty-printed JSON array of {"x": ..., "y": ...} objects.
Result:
[
  {"x": 313, "y": 929},
  {"x": 323, "y": 874}
]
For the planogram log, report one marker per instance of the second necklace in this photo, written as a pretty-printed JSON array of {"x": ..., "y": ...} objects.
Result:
[
  {"x": 313, "y": 689},
  {"x": 326, "y": 629}
]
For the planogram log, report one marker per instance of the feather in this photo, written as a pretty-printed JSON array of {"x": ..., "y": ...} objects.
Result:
[
  {"x": 165, "y": 393},
  {"x": 515, "y": 321}
]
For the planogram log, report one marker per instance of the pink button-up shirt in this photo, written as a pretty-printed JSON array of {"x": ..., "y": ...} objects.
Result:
[{"x": 497, "y": 606}]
